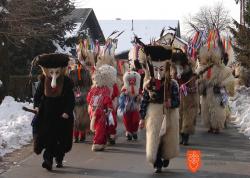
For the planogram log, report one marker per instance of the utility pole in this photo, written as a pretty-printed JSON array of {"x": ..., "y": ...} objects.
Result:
[{"x": 242, "y": 10}]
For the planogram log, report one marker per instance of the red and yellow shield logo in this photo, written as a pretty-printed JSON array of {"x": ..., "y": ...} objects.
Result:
[{"x": 193, "y": 160}]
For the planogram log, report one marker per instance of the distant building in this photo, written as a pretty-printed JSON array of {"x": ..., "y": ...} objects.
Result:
[
  {"x": 85, "y": 19},
  {"x": 178, "y": 42},
  {"x": 86, "y": 24},
  {"x": 145, "y": 29}
]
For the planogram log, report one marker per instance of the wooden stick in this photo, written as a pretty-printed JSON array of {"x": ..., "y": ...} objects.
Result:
[
  {"x": 200, "y": 73},
  {"x": 29, "y": 110}
]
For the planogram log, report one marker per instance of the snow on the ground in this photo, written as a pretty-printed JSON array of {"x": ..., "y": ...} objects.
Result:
[
  {"x": 15, "y": 128},
  {"x": 240, "y": 108}
]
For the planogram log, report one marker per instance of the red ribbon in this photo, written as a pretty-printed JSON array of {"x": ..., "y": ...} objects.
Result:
[
  {"x": 132, "y": 82},
  {"x": 158, "y": 84},
  {"x": 209, "y": 72}
]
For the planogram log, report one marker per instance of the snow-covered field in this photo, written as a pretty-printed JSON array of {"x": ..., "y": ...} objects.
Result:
[
  {"x": 240, "y": 107},
  {"x": 15, "y": 128}
]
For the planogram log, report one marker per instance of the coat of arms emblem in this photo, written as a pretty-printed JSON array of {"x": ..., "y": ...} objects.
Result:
[{"x": 193, "y": 160}]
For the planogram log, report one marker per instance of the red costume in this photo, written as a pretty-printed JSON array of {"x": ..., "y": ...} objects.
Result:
[
  {"x": 100, "y": 104},
  {"x": 103, "y": 121},
  {"x": 129, "y": 103},
  {"x": 112, "y": 126}
]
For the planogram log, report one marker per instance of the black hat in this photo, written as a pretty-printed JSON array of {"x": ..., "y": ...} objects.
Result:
[
  {"x": 158, "y": 53},
  {"x": 52, "y": 60},
  {"x": 179, "y": 58}
]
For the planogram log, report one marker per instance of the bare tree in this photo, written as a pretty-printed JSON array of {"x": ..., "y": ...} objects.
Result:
[{"x": 209, "y": 17}]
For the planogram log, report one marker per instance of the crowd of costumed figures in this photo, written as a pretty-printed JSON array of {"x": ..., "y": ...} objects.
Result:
[{"x": 160, "y": 87}]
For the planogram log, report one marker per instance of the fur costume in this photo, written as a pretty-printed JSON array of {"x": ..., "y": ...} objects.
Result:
[
  {"x": 82, "y": 83},
  {"x": 54, "y": 99},
  {"x": 214, "y": 86},
  {"x": 137, "y": 62},
  {"x": 129, "y": 103},
  {"x": 100, "y": 106},
  {"x": 189, "y": 108},
  {"x": 85, "y": 56},
  {"x": 112, "y": 84},
  {"x": 189, "y": 98},
  {"x": 159, "y": 108}
]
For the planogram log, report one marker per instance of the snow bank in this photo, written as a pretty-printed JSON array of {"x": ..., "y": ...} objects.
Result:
[
  {"x": 15, "y": 128},
  {"x": 240, "y": 107}
]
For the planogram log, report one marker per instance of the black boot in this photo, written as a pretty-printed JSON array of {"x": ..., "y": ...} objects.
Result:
[
  {"x": 185, "y": 139},
  {"x": 158, "y": 165},
  {"x": 47, "y": 165},
  {"x": 135, "y": 137},
  {"x": 48, "y": 160},
  {"x": 165, "y": 162},
  {"x": 111, "y": 141},
  {"x": 59, "y": 159},
  {"x": 77, "y": 140},
  {"x": 59, "y": 162},
  {"x": 181, "y": 139},
  {"x": 82, "y": 139},
  {"x": 129, "y": 137}
]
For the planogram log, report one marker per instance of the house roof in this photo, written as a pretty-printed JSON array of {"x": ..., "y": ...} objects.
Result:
[
  {"x": 176, "y": 38},
  {"x": 87, "y": 19},
  {"x": 122, "y": 55},
  {"x": 145, "y": 29}
]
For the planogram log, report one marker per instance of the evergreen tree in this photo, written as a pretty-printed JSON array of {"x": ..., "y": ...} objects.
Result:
[
  {"x": 242, "y": 36},
  {"x": 30, "y": 26}
]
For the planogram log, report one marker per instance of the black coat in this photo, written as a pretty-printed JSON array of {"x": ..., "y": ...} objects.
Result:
[{"x": 50, "y": 128}]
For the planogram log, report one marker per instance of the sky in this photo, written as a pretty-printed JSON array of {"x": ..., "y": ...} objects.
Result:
[{"x": 156, "y": 9}]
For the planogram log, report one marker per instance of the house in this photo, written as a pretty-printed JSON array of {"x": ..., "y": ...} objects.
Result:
[
  {"x": 85, "y": 20},
  {"x": 178, "y": 42},
  {"x": 145, "y": 29},
  {"x": 86, "y": 24}
]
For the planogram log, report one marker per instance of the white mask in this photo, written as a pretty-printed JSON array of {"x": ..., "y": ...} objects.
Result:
[
  {"x": 179, "y": 71},
  {"x": 159, "y": 69},
  {"x": 54, "y": 74}
]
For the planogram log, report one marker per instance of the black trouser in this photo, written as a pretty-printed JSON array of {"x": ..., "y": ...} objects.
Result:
[
  {"x": 54, "y": 149},
  {"x": 48, "y": 156},
  {"x": 158, "y": 162}
]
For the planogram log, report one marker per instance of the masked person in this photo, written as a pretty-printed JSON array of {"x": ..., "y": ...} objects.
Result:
[
  {"x": 100, "y": 103},
  {"x": 82, "y": 82},
  {"x": 129, "y": 103},
  {"x": 54, "y": 101},
  {"x": 214, "y": 86},
  {"x": 159, "y": 108}
]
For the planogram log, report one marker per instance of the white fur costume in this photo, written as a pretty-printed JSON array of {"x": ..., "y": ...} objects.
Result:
[
  {"x": 170, "y": 139},
  {"x": 212, "y": 111},
  {"x": 160, "y": 109}
]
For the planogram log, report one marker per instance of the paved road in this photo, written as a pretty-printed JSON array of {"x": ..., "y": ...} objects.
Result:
[{"x": 225, "y": 155}]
